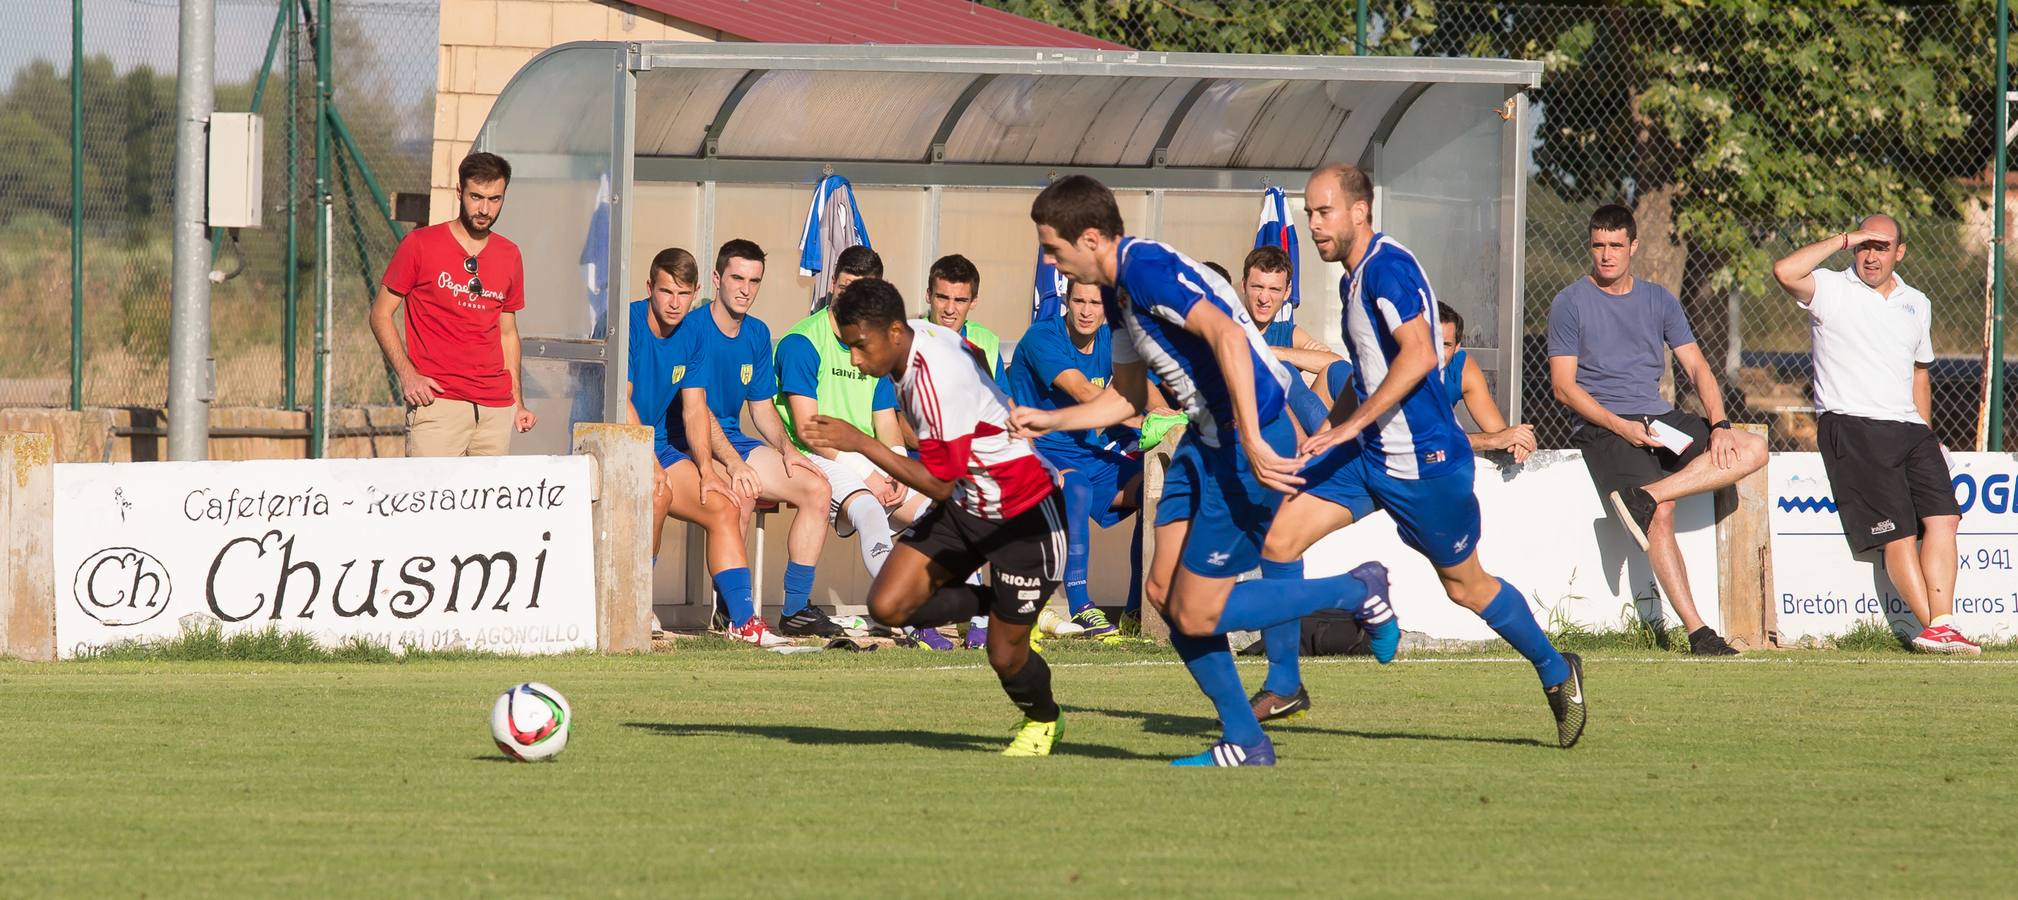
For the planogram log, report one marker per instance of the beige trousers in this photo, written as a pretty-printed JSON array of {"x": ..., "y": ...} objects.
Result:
[{"x": 458, "y": 428}]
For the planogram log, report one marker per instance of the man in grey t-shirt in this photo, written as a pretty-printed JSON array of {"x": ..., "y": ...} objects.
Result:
[{"x": 1609, "y": 334}]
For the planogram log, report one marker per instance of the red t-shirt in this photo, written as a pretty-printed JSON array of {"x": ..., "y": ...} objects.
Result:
[{"x": 451, "y": 336}]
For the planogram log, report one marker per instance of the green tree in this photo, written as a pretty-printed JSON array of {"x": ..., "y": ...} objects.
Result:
[{"x": 1725, "y": 124}]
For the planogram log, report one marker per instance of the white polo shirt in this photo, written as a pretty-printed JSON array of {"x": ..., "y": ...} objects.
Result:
[{"x": 1866, "y": 345}]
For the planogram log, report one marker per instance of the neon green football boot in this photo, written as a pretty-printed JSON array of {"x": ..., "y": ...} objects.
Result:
[{"x": 1035, "y": 738}]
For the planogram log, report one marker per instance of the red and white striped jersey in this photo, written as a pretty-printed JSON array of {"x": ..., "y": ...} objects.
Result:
[{"x": 962, "y": 419}]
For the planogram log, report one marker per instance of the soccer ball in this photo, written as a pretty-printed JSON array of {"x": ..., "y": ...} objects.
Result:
[{"x": 531, "y": 722}]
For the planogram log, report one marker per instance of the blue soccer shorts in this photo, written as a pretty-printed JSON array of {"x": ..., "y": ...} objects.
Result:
[
  {"x": 1228, "y": 508},
  {"x": 1438, "y": 517}
]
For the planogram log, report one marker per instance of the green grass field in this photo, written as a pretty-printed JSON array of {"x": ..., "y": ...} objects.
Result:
[{"x": 733, "y": 773}]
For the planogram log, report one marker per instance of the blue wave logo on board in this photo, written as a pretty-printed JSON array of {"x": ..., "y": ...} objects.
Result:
[{"x": 1806, "y": 504}]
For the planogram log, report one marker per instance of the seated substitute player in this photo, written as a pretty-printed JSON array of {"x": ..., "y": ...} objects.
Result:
[
  {"x": 1609, "y": 334},
  {"x": 954, "y": 288},
  {"x": 1400, "y": 450},
  {"x": 1063, "y": 361},
  {"x": 994, "y": 501},
  {"x": 659, "y": 361},
  {"x": 1464, "y": 381},
  {"x": 1232, "y": 465},
  {"x": 815, "y": 377},
  {"x": 1264, "y": 290},
  {"x": 734, "y": 368},
  {"x": 851, "y": 263}
]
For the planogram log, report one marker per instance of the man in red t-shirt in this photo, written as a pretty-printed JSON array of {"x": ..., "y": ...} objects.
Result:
[{"x": 463, "y": 287}]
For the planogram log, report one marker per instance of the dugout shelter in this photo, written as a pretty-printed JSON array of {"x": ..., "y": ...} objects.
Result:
[{"x": 621, "y": 149}]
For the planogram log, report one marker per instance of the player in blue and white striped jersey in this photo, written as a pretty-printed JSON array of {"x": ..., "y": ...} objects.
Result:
[
  {"x": 1401, "y": 449},
  {"x": 1234, "y": 463}
]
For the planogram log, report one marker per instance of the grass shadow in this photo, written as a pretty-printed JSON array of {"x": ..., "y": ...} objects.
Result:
[
  {"x": 821, "y": 736},
  {"x": 1166, "y": 723}
]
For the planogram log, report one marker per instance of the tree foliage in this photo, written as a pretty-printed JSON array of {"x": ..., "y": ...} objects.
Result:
[{"x": 1734, "y": 123}]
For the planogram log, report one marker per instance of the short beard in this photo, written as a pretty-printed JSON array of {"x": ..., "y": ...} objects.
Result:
[{"x": 470, "y": 226}]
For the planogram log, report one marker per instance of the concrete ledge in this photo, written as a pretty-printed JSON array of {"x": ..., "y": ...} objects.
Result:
[
  {"x": 27, "y": 569},
  {"x": 625, "y": 473},
  {"x": 140, "y": 434}
]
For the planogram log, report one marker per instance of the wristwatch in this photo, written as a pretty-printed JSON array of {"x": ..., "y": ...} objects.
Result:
[{"x": 1722, "y": 423}]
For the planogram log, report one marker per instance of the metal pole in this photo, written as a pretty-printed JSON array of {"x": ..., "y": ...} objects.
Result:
[
  {"x": 76, "y": 204},
  {"x": 292, "y": 277},
  {"x": 1994, "y": 359},
  {"x": 189, "y": 392},
  {"x": 319, "y": 419},
  {"x": 1359, "y": 29}
]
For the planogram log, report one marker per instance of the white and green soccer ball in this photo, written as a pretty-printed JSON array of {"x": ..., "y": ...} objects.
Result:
[{"x": 531, "y": 721}]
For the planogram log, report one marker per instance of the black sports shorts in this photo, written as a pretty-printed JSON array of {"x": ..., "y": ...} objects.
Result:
[
  {"x": 1886, "y": 476},
  {"x": 1616, "y": 465},
  {"x": 1025, "y": 553}
]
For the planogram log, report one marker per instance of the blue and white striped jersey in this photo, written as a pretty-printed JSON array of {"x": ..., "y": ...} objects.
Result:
[
  {"x": 1419, "y": 437},
  {"x": 1155, "y": 288}
]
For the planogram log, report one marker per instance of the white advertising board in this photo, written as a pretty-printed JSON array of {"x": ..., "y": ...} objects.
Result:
[
  {"x": 491, "y": 554},
  {"x": 1821, "y": 590},
  {"x": 1546, "y": 531}
]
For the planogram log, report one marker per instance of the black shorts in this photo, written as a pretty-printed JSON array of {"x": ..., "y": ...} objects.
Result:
[
  {"x": 1616, "y": 465},
  {"x": 1885, "y": 476},
  {"x": 1025, "y": 554}
]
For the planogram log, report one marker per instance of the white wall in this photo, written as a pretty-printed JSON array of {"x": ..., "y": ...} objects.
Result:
[
  {"x": 1545, "y": 531},
  {"x": 1820, "y": 589}
]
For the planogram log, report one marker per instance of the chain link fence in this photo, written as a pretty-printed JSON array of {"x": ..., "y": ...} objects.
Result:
[
  {"x": 383, "y": 67},
  {"x": 1736, "y": 131}
]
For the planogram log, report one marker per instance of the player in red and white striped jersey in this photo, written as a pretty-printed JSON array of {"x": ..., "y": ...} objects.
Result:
[
  {"x": 994, "y": 498},
  {"x": 963, "y": 426}
]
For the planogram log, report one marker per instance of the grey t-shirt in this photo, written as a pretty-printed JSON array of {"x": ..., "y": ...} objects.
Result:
[{"x": 1619, "y": 342}]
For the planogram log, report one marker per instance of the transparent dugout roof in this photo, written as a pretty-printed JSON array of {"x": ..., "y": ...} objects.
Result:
[
  {"x": 586, "y": 125},
  {"x": 1006, "y": 106}
]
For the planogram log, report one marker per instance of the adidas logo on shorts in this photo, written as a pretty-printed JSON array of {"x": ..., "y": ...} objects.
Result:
[{"x": 1026, "y": 608}]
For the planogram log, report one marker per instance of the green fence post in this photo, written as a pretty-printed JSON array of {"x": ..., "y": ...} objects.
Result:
[
  {"x": 288, "y": 324},
  {"x": 1993, "y": 360},
  {"x": 76, "y": 204},
  {"x": 1359, "y": 29}
]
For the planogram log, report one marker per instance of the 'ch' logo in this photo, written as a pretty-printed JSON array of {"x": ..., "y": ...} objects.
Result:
[{"x": 121, "y": 586}]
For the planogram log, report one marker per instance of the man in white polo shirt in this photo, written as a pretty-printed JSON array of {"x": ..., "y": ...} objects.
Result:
[{"x": 1873, "y": 344}]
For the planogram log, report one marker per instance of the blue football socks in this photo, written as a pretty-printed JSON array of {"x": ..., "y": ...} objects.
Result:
[
  {"x": 1283, "y": 642},
  {"x": 1078, "y": 538},
  {"x": 1306, "y": 405},
  {"x": 798, "y": 587},
  {"x": 1256, "y": 605},
  {"x": 1509, "y": 616},
  {"x": 733, "y": 585},
  {"x": 1337, "y": 378},
  {"x": 1211, "y": 665}
]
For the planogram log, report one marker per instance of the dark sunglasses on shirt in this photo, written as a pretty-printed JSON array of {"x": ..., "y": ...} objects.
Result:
[{"x": 475, "y": 283}]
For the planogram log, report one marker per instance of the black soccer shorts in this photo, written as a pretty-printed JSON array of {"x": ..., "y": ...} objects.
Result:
[
  {"x": 1886, "y": 476},
  {"x": 1025, "y": 553}
]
